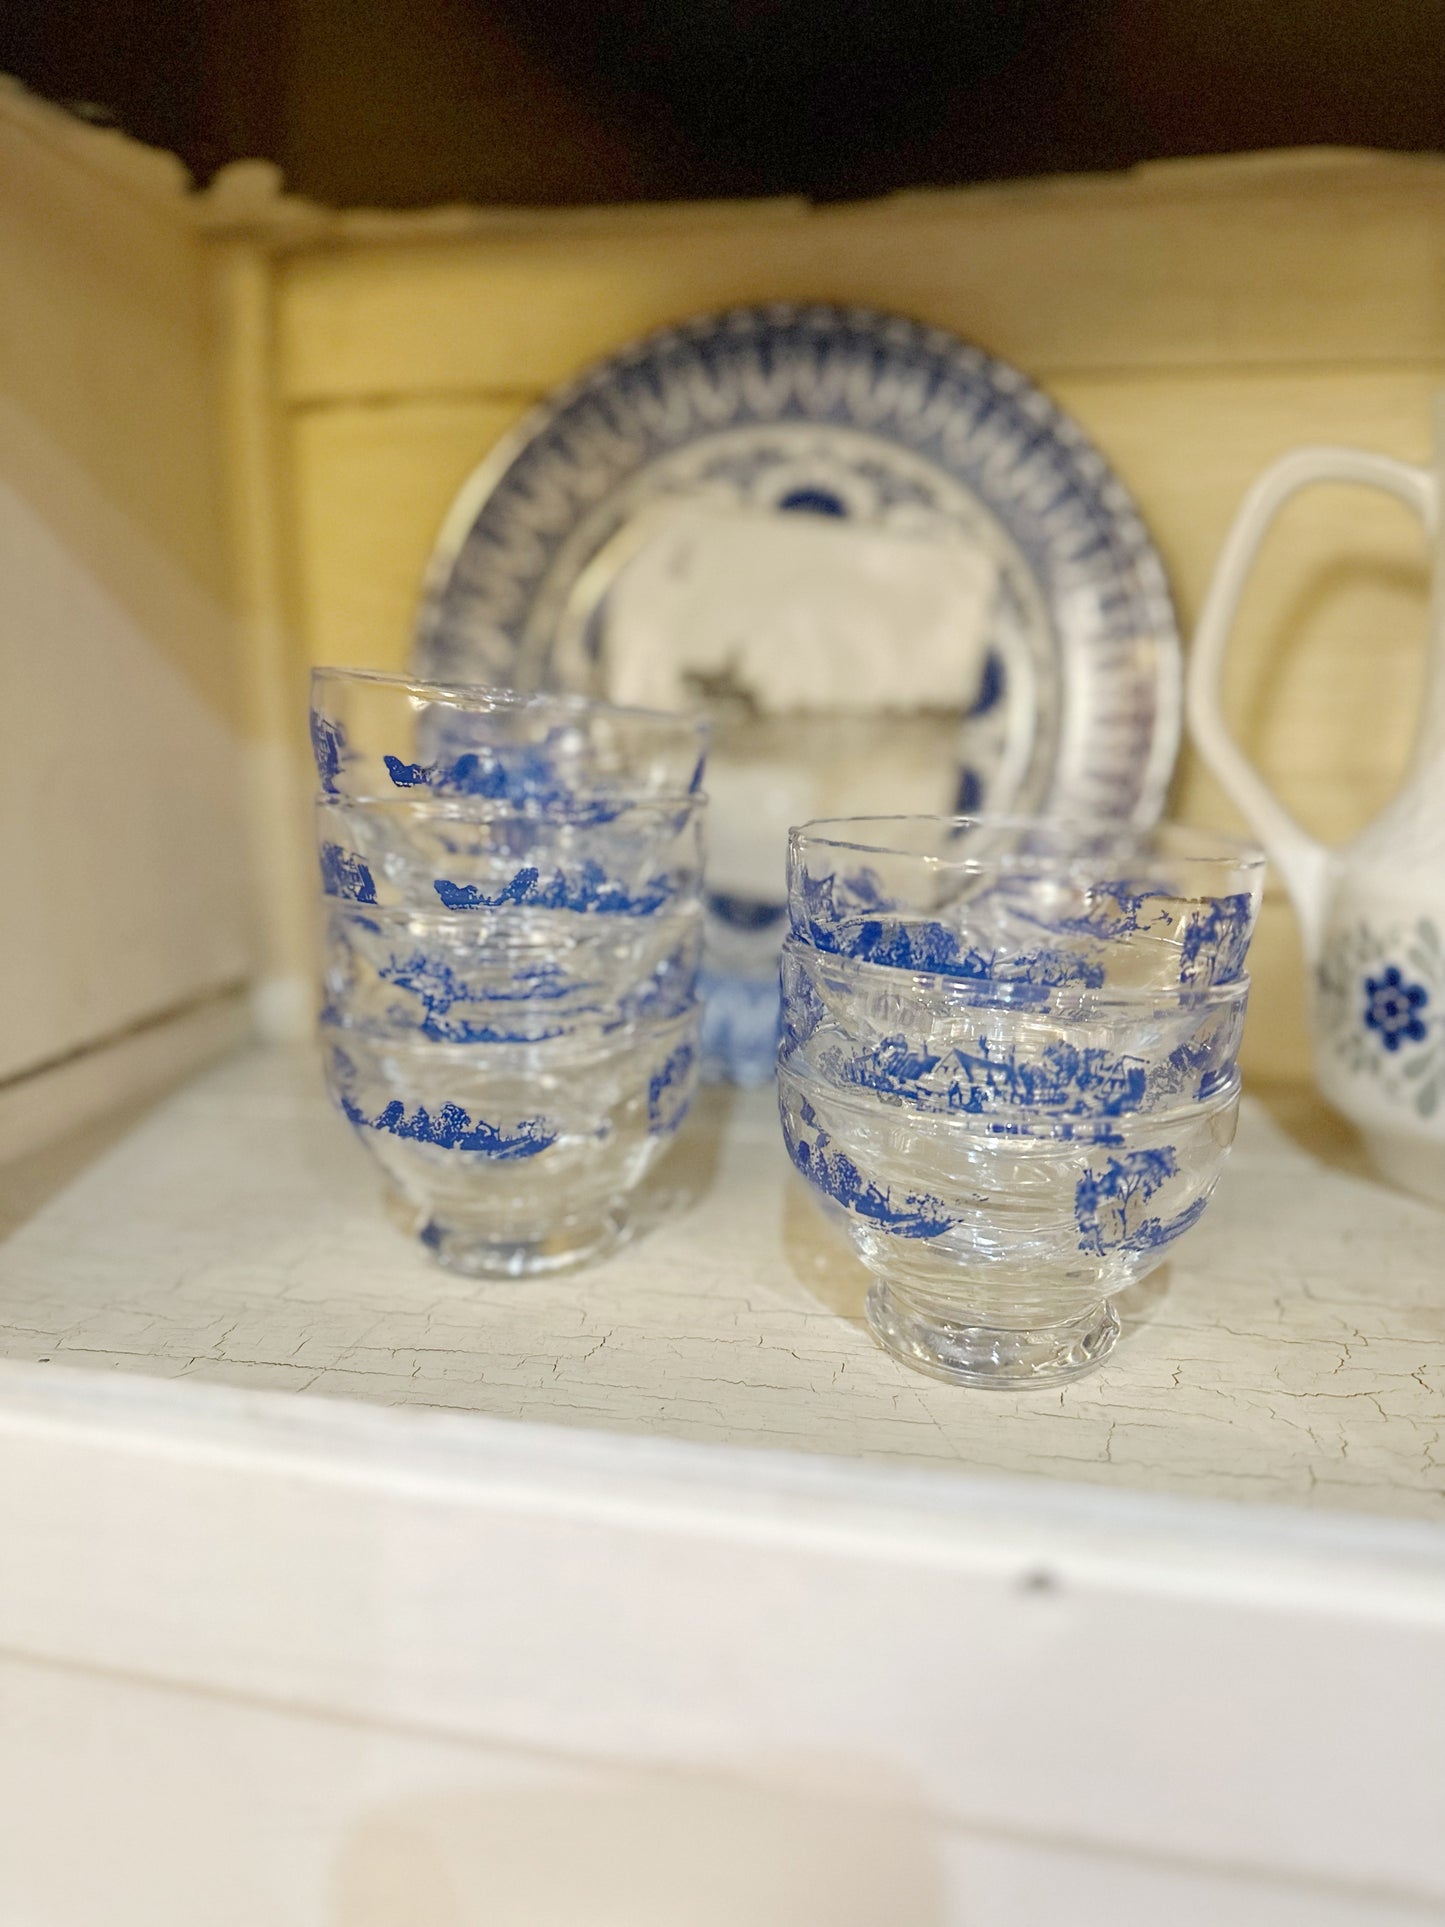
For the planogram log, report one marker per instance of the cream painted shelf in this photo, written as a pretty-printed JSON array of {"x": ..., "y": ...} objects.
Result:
[
  {"x": 1295, "y": 1352},
  {"x": 377, "y": 1663}
]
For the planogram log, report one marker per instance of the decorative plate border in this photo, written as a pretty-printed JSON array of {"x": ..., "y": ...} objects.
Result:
[{"x": 978, "y": 420}]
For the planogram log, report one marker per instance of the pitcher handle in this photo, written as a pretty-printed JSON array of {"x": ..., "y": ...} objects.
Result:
[{"x": 1303, "y": 862}]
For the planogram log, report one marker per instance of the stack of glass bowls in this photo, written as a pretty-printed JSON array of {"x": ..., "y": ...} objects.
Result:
[
  {"x": 1009, "y": 1060},
  {"x": 513, "y": 927}
]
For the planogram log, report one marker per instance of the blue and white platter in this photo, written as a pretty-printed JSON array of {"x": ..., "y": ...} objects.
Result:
[{"x": 893, "y": 572}]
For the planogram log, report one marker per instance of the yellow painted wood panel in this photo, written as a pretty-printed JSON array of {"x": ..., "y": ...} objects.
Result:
[
  {"x": 1327, "y": 661},
  {"x": 371, "y": 486},
  {"x": 1292, "y": 259}
]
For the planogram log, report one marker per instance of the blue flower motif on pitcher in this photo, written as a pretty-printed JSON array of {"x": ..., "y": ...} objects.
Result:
[{"x": 1392, "y": 1007}]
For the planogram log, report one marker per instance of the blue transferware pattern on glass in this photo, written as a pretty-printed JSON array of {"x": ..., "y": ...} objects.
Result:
[
  {"x": 590, "y": 890},
  {"x": 524, "y": 778},
  {"x": 833, "y": 1172},
  {"x": 1216, "y": 940},
  {"x": 1201, "y": 1068},
  {"x": 803, "y": 1010},
  {"x": 328, "y": 746},
  {"x": 1392, "y": 1008},
  {"x": 1109, "y": 1204},
  {"x": 434, "y": 982},
  {"x": 463, "y": 1030},
  {"x": 930, "y": 947},
  {"x": 438, "y": 987},
  {"x": 840, "y": 899},
  {"x": 1213, "y": 941},
  {"x": 450, "y": 1127},
  {"x": 669, "y": 1092},
  {"x": 1062, "y": 1079},
  {"x": 848, "y": 916},
  {"x": 1115, "y": 910},
  {"x": 664, "y": 993},
  {"x": 937, "y": 951},
  {"x": 344, "y": 875}
]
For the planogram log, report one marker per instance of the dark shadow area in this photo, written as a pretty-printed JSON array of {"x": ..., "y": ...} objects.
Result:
[{"x": 406, "y": 103}]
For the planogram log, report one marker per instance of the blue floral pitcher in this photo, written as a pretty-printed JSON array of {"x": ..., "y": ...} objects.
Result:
[{"x": 1373, "y": 913}]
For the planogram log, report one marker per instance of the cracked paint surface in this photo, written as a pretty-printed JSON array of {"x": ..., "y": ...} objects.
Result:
[{"x": 1293, "y": 1351}]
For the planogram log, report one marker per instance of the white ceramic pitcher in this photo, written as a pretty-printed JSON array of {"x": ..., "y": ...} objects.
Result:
[{"x": 1373, "y": 913}]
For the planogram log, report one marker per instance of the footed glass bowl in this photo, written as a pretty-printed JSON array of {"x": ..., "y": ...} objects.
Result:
[
  {"x": 515, "y": 1158},
  {"x": 996, "y": 1244}
]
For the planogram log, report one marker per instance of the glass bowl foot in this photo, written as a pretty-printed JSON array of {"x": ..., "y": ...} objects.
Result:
[
  {"x": 479, "y": 1252},
  {"x": 1000, "y": 1356}
]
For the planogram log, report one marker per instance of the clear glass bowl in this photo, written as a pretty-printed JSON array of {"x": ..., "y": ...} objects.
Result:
[
  {"x": 376, "y": 735},
  {"x": 972, "y": 1047},
  {"x": 504, "y": 978},
  {"x": 512, "y": 1159},
  {"x": 996, "y": 1251},
  {"x": 644, "y": 860},
  {"x": 1027, "y": 900}
]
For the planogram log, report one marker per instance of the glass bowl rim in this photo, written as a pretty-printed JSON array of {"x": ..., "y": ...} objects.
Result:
[
  {"x": 436, "y": 919},
  {"x": 1221, "y": 848},
  {"x": 486, "y": 698},
  {"x": 464, "y": 808}
]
